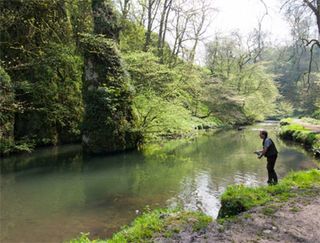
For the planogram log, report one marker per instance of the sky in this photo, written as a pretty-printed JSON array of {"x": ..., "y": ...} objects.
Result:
[{"x": 243, "y": 16}]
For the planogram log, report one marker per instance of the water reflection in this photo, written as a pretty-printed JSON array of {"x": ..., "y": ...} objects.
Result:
[{"x": 62, "y": 193}]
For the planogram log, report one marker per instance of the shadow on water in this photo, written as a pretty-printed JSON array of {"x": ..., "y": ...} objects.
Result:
[
  {"x": 49, "y": 157},
  {"x": 53, "y": 194}
]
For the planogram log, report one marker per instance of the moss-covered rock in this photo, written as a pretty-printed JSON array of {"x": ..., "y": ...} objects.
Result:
[
  {"x": 109, "y": 121},
  {"x": 108, "y": 124}
]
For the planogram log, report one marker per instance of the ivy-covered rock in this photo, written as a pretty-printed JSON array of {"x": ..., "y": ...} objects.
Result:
[{"x": 108, "y": 122}]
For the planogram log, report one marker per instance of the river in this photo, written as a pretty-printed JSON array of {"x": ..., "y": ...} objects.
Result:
[{"x": 54, "y": 193}]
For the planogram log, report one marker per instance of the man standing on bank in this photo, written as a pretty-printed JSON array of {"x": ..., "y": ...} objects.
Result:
[{"x": 270, "y": 151}]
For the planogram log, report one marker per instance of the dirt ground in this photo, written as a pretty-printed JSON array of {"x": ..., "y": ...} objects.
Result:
[
  {"x": 312, "y": 127},
  {"x": 297, "y": 220}
]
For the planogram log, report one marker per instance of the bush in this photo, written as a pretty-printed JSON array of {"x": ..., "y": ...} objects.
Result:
[{"x": 316, "y": 114}]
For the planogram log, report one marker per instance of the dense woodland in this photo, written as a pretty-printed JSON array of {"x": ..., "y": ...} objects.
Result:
[{"x": 113, "y": 75}]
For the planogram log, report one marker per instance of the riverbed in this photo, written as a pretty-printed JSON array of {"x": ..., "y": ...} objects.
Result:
[{"x": 54, "y": 194}]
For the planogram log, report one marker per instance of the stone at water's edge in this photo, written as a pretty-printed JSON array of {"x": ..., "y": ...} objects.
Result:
[
  {"x": 108, "y": 124},
  {"x": 230, "y": 208}
]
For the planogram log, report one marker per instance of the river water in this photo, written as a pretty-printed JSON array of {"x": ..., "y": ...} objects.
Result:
[{"x": 55, "y": 193}]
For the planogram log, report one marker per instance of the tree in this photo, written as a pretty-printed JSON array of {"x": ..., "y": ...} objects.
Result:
[
  {"x": 181, "y": 21},
  {"x": 38, "y": 53},
  {"x": 125, "y": 7},
  {"x": 246, "y": 89},
  {"x": 152, "y": 9},
  {"x": 80, "y": 12},
  {"x": 7, "y": 110},
  {"x": 163, "y": 26},
  {"x": 306, "y": 8},
  {"x": 200, "y": 24}
]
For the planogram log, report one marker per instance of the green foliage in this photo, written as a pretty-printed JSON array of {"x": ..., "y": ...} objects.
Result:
[
  {"x": 6, "y": 112},
  {"x": 237, "y": 199},
  {"x": 290, "y": 65},
  {"x": 154, "y": 224},
  {"x": 283, "y": 109},
  {"x": 132, "y": 37},
  {"x": 248, "y": 90},
  {"x": 147, "y": 74},
  {"x": 286, "y": 121},
  {"x": 45, "y": 72},
  {"x": 7, "y": 103},
  {"x": 80, "y": 18},
  {"x": 142, "y": 228},
  {"x": 8, "y": 108},
  {"x": 316, "y": 114},
  {"x": 168, "y": 101},
  {"x": 180, "y": 89},
  {"x": 53, "y": 97},
  {"x": 158, "y": 117}
]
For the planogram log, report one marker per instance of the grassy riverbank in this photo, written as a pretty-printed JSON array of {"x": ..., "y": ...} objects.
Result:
[
  {"x": 238, "y": 198},
  {"x": 305, "y": 131},
  {"x": 161, "y": 223},
  {"x": 170, "y": 224}
]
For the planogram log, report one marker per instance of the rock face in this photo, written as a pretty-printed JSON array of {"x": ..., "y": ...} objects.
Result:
[{"x": 108, "y": 122}]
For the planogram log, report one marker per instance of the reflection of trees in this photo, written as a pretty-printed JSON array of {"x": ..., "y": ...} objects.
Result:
[
  {"x": 62, "y": 158},
  {"x": 136, "y": 179}
]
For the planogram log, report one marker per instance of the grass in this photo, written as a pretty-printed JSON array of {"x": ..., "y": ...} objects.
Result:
[
  {"x": 238, "y": 198},
  {"x": 295, "y": 209},
  {"x": 300, "y": 134},
  {"x": 270, "y": 210},
  {"x": 164, "y": 222}
]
